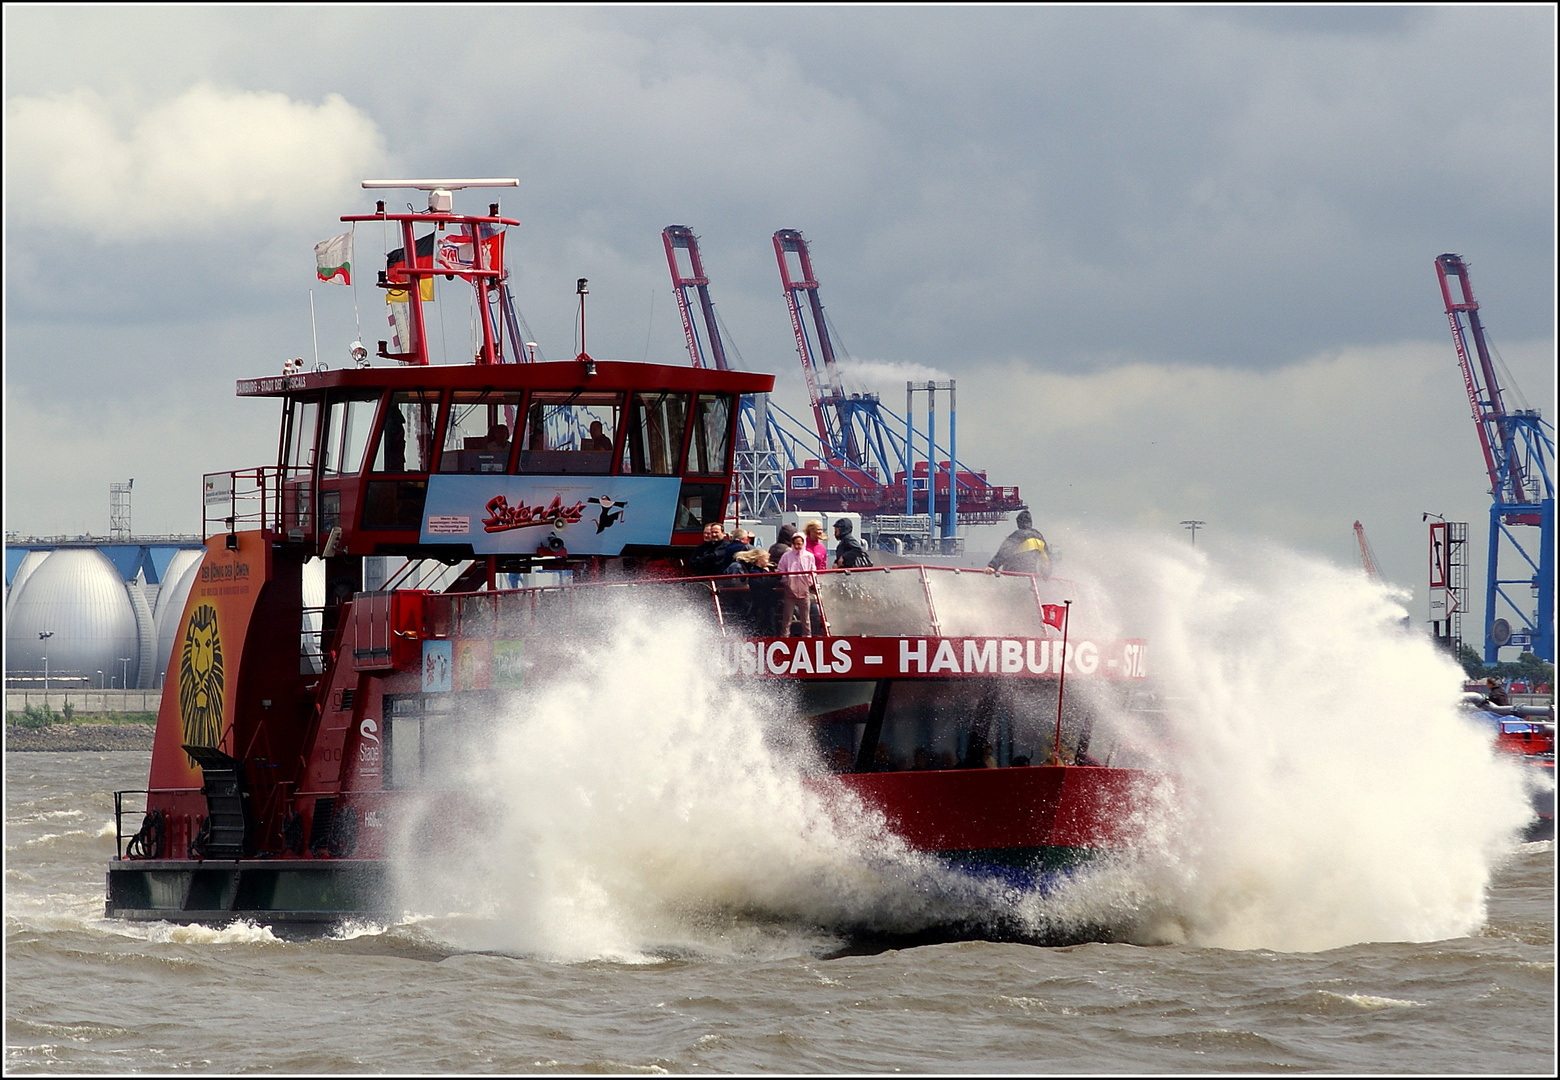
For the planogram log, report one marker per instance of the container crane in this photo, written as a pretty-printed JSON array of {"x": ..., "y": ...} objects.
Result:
[
  {"x": 759, "y": 488},
  {"x": 1518, "y": 449},
  {"x": 852, "y": 459},
  {"x": 865, "y": 464},
  {"x": 1367, "y": 554}
]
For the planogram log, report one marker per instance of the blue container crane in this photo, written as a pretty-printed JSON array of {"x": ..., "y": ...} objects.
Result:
[{"x": 1519, "y": 449}]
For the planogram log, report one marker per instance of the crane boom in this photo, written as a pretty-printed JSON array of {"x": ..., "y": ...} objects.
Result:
[
  {"x": 1367, "y": 555},
  {"x": 833, "y": 428},
  {"x": 709, "y": 352},
  {"x": 1507, "y": 471}
]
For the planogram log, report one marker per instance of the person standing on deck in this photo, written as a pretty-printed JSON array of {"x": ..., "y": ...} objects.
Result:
[
  {"x": 849, "y": 553},
  {"x": 797, "y": 566},
  {"x": 1024, "y": 551}
]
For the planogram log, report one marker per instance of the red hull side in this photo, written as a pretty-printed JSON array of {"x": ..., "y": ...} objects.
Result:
[{"x": 987, "y": 809}]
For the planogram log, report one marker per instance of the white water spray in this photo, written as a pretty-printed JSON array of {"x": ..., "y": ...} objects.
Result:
[
  {"x": 1325, "y": 789},
  {"x": 641, "y": 803},
  {"x": 1322, "y": 788}
]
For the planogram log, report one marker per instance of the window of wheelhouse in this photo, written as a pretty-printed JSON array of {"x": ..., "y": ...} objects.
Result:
[
  {"x": 300, "y": 444},
  {"x": 480, "y": 432},
  {"x": 656, "y": 423},
  {"x": 345, "y": 437},
  {"x": 406, "y": 436},
  {"x": 405, "y": 445},
  {"x": 570, "y": 432},
  {"x": 709, "y": 448}
]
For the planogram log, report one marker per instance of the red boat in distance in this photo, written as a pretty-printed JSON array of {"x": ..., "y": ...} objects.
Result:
[{"x": 289, "y": 738}]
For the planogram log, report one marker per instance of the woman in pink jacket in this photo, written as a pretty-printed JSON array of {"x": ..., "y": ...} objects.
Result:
[
  {"x": 816, "y": 544},
  {"x": 797, "y": 566}
]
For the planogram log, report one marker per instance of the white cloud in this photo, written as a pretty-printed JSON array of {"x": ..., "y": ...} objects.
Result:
[
  {"x": 1293, "y": 454},
  {"x": 121, "y": 171}
]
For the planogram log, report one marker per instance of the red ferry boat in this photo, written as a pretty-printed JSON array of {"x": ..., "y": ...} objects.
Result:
[{"x": 950, "y": 702}]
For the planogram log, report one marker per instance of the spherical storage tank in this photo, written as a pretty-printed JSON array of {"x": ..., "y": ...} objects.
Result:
[
  {"x": 78, "y": 597},
  {"x": 177, "y": 581}
]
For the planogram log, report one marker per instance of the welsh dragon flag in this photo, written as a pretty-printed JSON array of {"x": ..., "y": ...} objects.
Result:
[{"x": 333, "y": 258}]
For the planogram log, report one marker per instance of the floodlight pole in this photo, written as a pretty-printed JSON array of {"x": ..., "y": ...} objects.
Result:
[{"x": 44, "y": 637}]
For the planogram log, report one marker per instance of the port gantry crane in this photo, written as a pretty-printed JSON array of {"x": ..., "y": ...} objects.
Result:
[
  {"x": 858, "y": 434},
  {"x": 854, "y": 458},
  {"x": 1518, "y": 447}
]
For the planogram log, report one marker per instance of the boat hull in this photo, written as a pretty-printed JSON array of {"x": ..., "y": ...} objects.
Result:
[
  {"x": 269, "y": 891},
  {"x": 1025, "y": 825}
]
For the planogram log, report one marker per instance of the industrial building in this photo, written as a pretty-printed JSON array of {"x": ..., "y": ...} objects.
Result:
[{"x": 88, "y": 612}]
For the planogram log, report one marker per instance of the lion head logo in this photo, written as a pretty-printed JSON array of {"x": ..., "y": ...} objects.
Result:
[{"x": 201, "y": 679}]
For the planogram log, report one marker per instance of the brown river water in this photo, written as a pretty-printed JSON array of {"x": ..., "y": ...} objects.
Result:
[{"x": 753, "y": 993}]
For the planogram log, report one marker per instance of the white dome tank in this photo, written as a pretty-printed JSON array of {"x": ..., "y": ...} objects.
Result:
[
  {"x": 30, "y": 562},
  {"x": 177, "y": 567},
  {"x": 78, "y": 597},
  {"x": 177, "y": 581}
]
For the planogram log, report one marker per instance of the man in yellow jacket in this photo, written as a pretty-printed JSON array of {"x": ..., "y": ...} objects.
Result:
[{"x": 1024, "y": 551}]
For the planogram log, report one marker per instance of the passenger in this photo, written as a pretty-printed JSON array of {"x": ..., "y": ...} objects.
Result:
[
  {"x": 598, "y": 440},
  {"x": 815, "y": 544},
  {"x": 798, "y": 565},
  {"x": 1020, "y": 761},
  {"x": 735, "y": 545},
  {"x": 749, "y": 561},
  {"x": 782, "y": 544},
  {"x": 881, "y": 759},
  {"x": 762, "y": 609},
  {"x": 1496, "y": 692},
  {"x": 710, "y": 557},
  {"x": 921, "y": 760},
  {"x": 1024, "y": 551},
  {"x": 395, "y": 440},
  {"x": 498, "y": 437},
  {"x": 849, "y": 553},
  {"x": 978, "y": 754}
]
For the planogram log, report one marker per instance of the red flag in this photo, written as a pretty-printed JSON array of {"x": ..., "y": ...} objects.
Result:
[{"x": 1053, "y": 614}]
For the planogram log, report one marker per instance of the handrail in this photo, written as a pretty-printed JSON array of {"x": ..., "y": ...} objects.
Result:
[{"x": 733, "y": 583}]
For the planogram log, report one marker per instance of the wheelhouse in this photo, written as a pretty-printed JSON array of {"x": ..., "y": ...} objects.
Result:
[{"x": 520, "y": 461}]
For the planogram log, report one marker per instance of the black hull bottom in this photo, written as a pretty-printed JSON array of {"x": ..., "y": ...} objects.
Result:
[{"x": 272, "y": 892}]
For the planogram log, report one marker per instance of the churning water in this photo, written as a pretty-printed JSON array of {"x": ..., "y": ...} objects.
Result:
[
  {"x": 646, "y": 881},
  {"x": 1321, "y": 788}
]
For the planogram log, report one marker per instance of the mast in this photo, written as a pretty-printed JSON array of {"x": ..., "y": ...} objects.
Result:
[{"x": 484, "y": 235}]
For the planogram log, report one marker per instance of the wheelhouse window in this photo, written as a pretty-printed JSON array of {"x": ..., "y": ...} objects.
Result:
[
  {"x": 699, "y": 505},
  {"x": 707, "y": 452},
  {"x": 570, "y": 433},
  {"x": 406, "y": 437},
  {"x": 480, "y": 431},
  {"x": 656, "y": 423},
  {"x": 345, "y": 438},
  {"x": 300, "y": 444}
]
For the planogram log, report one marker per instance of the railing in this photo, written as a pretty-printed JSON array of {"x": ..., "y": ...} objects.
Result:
[
  {"x": 119, "y": 817},
  {"x": 265, "y": 497},
  {"x": 891, "y": 601}
]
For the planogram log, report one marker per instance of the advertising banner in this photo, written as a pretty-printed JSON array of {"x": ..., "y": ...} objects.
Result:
[
  {"x": 583, "y": 515},
  {"x": 198, "y": 703}
]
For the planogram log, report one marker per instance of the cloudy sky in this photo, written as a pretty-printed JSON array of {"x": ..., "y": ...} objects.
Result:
[{"x": 1180, "y": 261}]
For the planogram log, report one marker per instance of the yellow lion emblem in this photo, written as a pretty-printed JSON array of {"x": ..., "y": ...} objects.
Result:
[{"x": 201, "y": 679}]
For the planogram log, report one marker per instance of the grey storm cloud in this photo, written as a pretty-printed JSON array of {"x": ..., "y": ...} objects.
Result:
[{"x": 1220, "y": 204}]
